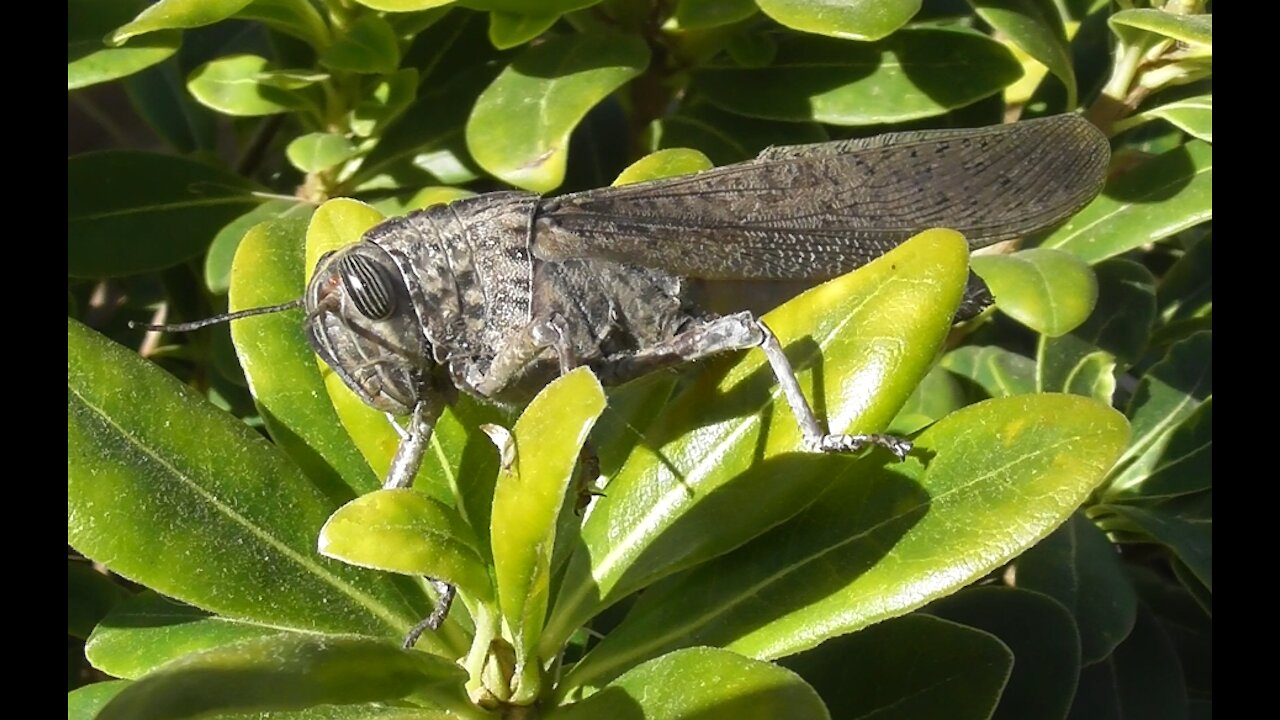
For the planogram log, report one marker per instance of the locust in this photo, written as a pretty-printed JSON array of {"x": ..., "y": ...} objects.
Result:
[{"x": 495, "y": 295}]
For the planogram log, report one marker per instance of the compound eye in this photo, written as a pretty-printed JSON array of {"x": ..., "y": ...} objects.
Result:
[{"x": 369, "y": 285}]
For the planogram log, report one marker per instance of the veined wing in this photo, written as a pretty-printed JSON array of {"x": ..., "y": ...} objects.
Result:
[{"x": 816, "y": 211}]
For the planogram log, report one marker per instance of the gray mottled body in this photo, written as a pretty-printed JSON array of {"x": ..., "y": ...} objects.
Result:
[{"x": 496, "y": 294}]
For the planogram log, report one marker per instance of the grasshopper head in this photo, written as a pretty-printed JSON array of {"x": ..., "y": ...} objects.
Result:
[{"x": 361, "y": 323}]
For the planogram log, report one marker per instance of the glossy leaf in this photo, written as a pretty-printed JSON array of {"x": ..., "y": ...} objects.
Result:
[
  {"x": 1185, "y": 464},
  {"x": 1193, "y": 116},
  {"x": 937, "y": 394},
  {"x": 911, "y": 667},
  {"x": 167, "y": 213},
  {"x": 519, "y": 128},
  {"x": 848, "y": 19},
  {"x": 1075, "y": 368},
  {"x": 298, "y": 18},
  {"x": 281, "y": 366},
  {"x": 1079, "y": 567},
  {"x": 663, "y": 164},
  {"x": 160, "y": 97},
  {"x": 85, "y": 702},
  {"x": 177, "y": 14},
  {"x": 1035, "y": 26},
  {"x": 1140, "y": 680},
  {"x": 233, "y": 85},
  {"x": 222, "y": 251},
  {"x": 384, "y": 102},
  {"x": 518, "y": 6},
  {"x": 727, "y": 138},
  {"x": 402, "y": 6},
  {"x": 368, "y": 45},
  {"x": 90, "y": 61},
  {"x": 90, "y": 596},
  {"x": 998, "y": 371},
  {"x": 701, "y": 14},
  {"x": 984, "y": 483},
  {"x": 703, "y": 683},
  {"x": 284, "y": 672},
  {"x": 1050, "y": 292},
  {"x": 532, "y": 484},
  {"x": 150, "y": 630},
  {"x": 425, "y": 145},
  {"x": 1125, "y": 312},
  {"x": 172, "y": 493},
  {"x": 1166, "y": 395},
  {"x": 1040, "y": 633},
  {"x": 914, "y": 73},
  {"x": 508, "y": 30},
  {"x": 1194, "y": 30},
  {"x": 315, "y": 152},
  {"x": 1163, "y": 196},
  {"x": 1186, "y": 290},
  {"x": 403, "y": 531},
  {"x": 1183, "y": 524},
  {"x": 867, "y": 337}
]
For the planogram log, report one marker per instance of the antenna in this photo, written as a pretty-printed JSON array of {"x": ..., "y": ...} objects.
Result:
[{"x": 225, "y": 317}]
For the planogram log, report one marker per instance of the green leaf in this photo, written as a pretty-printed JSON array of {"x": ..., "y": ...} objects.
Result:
[
  {"x": 89, "y": 61},
  {"x": 558, "y": 7},
  {"x": 1049, "y": 292},
  {"x": 160, "y": 97},
  {"x": 425, "y": 145},
  {"x": 401, "y": 6},
  {"x": 315, "y": 152},
  {"x": 538, "y": 461},
  {"x": 234, "y": 85},
  {"x": 384, "y": 102},
  {"x": 911, "y": 667},
  {"x": 702, "y": 683},
  {"x": 281, "y": 366},
  {"x": 914, "y": 73},
  {"x": 284, "y": 672},
  {"x": 666, "y": 504},
  {"x": 298, "y": 18},
  {"x": 1035, "y": 27},
  {"x": 1076, "y": 368},
  {"x": 172, "y": 493},
  {"x": 999, "y": 372},
  {"x": 702, "y": 14},
  {"x": 149, "y": 630},
  {"x": 1161, "y": 197},
  {"x": 520, "y": 125},
  {"x": 368, "y": 45},
  {"x": 937, "y": 394},
  {"x": 1125, "y": 312},
  {"x": 1193, "y": 116},
  {"x": 1194, "y": 30},
  {"x": 90, "y": 596},
  {"x": 1183, "y": 524},
  {"x": 167, "y": 213},
  {"x": 1043, "y": 638},
  {"x": 848, "y": 19},
  {"x": 1185, "y": 464},
  {"x": 222, "y": 251},
  {"x": 508, "y": 30},
  {"x": 1186, "y": 290},
  {"x": 401, "y": 530},
  {"x": 84, "y": 703},
  {"x": 1141, "y": 679},
  {"x": 291, "y": 79},
  {"x": 726, "y": 138},
  {"x": 1166, "y": 395},
  {"x": 1079, "y": 567},
  {"x": 663, "y": 164},
  {"x": 983, "y": 483},
  {"x": 177, "y": 14}
]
